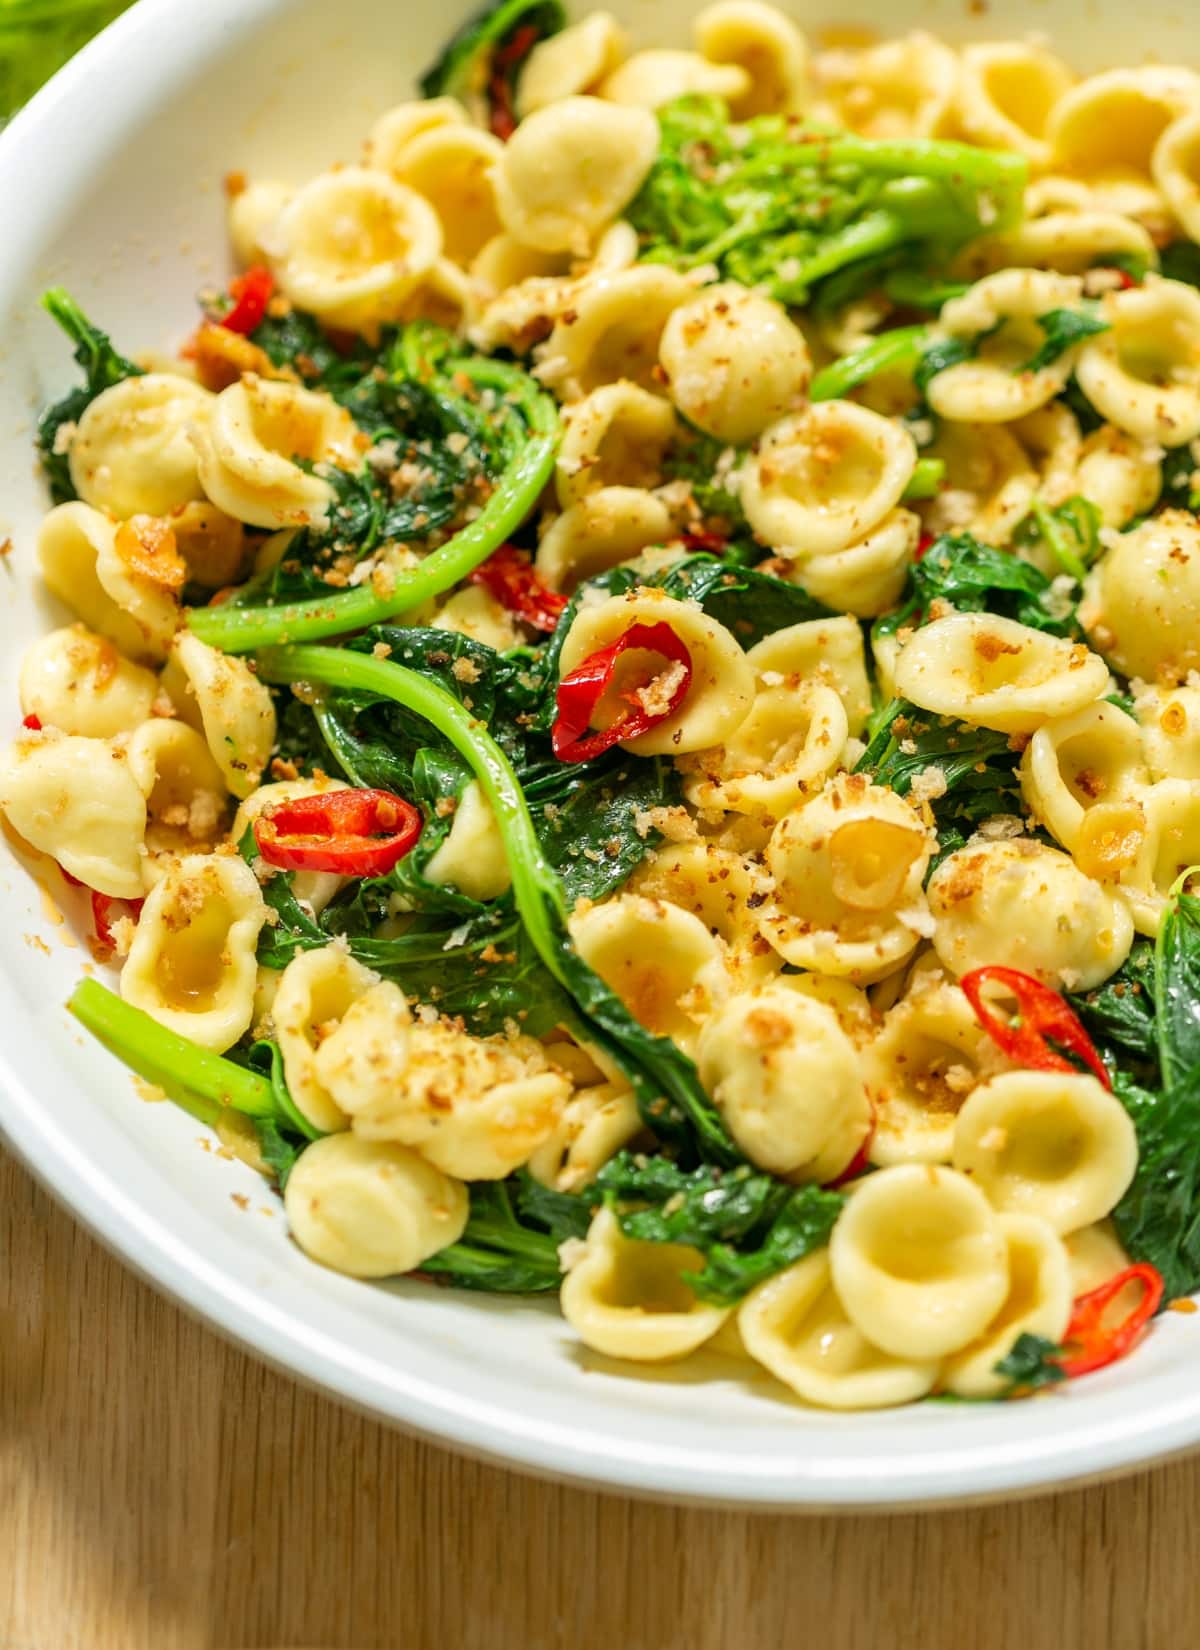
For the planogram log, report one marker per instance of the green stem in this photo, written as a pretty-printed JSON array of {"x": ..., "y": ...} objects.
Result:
[
  {"x": 535, "y": 886},
  {"x": 196, "y": 1078},
  {"x": 878, "y": 232},
  {"x": 899, "y": 349},
  {"x": 926, "y": 479},
  {"x": 1055, "y": 540},
  {"x": 246, "y": 629}
]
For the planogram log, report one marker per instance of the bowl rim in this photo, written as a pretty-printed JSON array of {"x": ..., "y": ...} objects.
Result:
[{"x": 1081, "y": 1449}]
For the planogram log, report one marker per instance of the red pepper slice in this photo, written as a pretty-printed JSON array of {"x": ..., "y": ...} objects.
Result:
[
  {"x": 1097, "y": 1344},
  {"x": 508, "y": 575},
  {"x": 102, "y": 905},
  {"x": 925, "y": 543},
  {"x": 581, "y": 690},
  {"x": 32, "y": 722},
  {"x": 712, "y": 544},
  {"x": 1042, "y": 1013},
  {"x": 251, "y": 293},
  {"x": 357, "y": 833},
  {"x": 505, "y": 60},
  {"x": 860, "y": 1162}
]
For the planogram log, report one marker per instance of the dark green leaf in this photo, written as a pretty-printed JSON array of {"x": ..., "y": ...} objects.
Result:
[
  {"x": 1031, "y": 1363},
  {"x": 1180, "y": 261},
  {"x": 102, "y": 366},
  {"x": 465, "y": 67},
  {"x": 939, "y": 357},
  {"x": 503, "y": 1250},
  {"x": 1177, "y": 992},
  {"x": 1064, "y": 328}
]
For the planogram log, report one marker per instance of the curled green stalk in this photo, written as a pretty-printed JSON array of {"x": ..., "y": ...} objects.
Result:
[
  {"x": 669, "y": 1090},
  {"x": 203, "y": 1083},
  {"x": 898, "y": 351},
  {"x": 246, "y": 629}
]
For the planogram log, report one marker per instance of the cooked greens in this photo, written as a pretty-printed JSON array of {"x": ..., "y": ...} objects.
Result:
[{"x": 103, "y": 366}]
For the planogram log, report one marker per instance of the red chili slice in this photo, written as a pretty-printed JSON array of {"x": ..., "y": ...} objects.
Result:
[
  {"x": 102, "y": 905},
  {"x": 508, "y": 575},
  {"x": 251, "y": 293},
  {"x": 860, "y": 1162},
  {"x": 1042, "y": 1014},
  {"x": 925, "y": 544},
  {"x": 712, "y": 544},
  {"x": 32, "y": 722},
  {"x": 357, "y": 833},
  {"x": 1098, "y": 1345},
  {"x": 505, "y": 60},
  {"x": 581, "y": 690}
]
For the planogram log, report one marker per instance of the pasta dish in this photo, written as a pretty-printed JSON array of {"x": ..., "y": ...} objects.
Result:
[{"x": 627, "y": 707}]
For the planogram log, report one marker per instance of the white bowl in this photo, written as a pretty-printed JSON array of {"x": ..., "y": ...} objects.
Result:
[{"x": 112, "y": 186}]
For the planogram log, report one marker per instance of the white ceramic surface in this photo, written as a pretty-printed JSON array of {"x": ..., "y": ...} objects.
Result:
[{"x": 111, "y": 183}]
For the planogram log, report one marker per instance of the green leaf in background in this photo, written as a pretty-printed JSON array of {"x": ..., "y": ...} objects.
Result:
[{"x": 38, "y": 36}]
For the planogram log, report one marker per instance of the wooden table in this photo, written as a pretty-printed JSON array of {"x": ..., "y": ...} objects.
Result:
[{"x": 160, "y": 1491}]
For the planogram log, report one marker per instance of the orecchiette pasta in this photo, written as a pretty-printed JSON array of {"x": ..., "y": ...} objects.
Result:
[
  {"x": 253, "y": 213},
  {"x": 211, "y": 544},
  {"x": 600, "y": 530},
  {"x": 1048, "y": 1143},
  {"x": 395, "y": 130},
  {"x": 615, "y": 437},
  {"x": 475, "y": 1107},
  {"x": 822, "y": 479},
  {"x": 662, "y": 961},
  {"x": 570, "y": 169},
  {"x": 793, "y": 736},
  {"x": 612, "y": 329},
  {"x": 596, "y": 1123},
  {"x": 472, "y": 858},
  {"x": 453, "y": 167},
  {"x": 1002, "y": 315},
  {"x": 248, "y": 452},
  {"x": 371, "y": 1209},
  {"x": 847, "y": 869},
  {"x": 192, "y": 965},
  {"x": 795, "y": 1325},
  {"x": 130, "y": 454},
  {"x": 1143, "y": 373},
  {"x": 1075, "y": 763},
  {"x": 1006, "y": 93},
  {"x": 572, "y": 62},
  {"x": 717, "y": 886},
  {"x": 314, "y": 993},
  {"x": 1142, "y": 601},
  {"x": 77, "y": 682},
  {"x": 1111, "y": 123},
  {"x": 919, "y": 1261},
  {"x": 901, "y": 88},
  {"x": 734, "y": 361},
  {"x": 77, "y": 800},
  {"x": 996, "y": 672},
  {"x": 928, "y": 1056},
  {"x": 829, "y": 650},
  {"x": 352, "y": 245},
  {"x": 629, "y": 1299},
  {"x": 222, "y": 698},
  {"x": 649, "y": 79},
  {"x": 1120, "y": 475},
  {"x": 765, "y": 43},
  {"x": 185, "y": 790},
  {"x": 1082, "y": 933},
  {"x": 785, "y": 1077},
  {"x": 1175, "y": 164},
  {"x": 1170, "y": 724},
  {"x": 1155, "y": 840},
  {"x": 1038, "y": 1303},
  {"x": 82, "y": 563},
  {"x": 722, "y": 684},
  {"x": 865, "y": 578}
]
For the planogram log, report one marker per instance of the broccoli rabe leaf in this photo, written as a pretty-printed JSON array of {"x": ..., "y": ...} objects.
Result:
[
  {"x": 1031, "y": 1363},
  {"x": 509, "y": 1246},
  {"x": 1119, "y": 1015},
  {"x": 975, "y": 578},
  {"x": 785, "y": 206},
  {"x": 1180, "y": 261},
  {"x": 976, "y": 766},
  {"x": 481, "y": 62},
  {"x": 1063, "y": 329},
  {"x": 747, "y": 1225},
  {"x": 1070, "y": 531},
  {"x": 103, "y": 366},
  {"x": 940, "y": 356},
  {"x": 1177, "y": 991}
]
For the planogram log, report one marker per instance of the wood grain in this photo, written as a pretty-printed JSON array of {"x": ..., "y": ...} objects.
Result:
[{"x": 160, "y": 1491}]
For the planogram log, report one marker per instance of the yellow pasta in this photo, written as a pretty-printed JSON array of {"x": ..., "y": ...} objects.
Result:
[
  {"x": 1002, "y": 313},
  {"x": 453, "y": 167},
  {"x": 795, "y": 1326},
  {"x": 94, "y": 568},
  {"x": 734, "y": 361},
  {"x": 371, "y": 1209},
  {"x": 600, "y": 530},
  {"x": 224, "y": 700},
  {"x": 649, "y": 79},
  {"x": 77, "y": 682},
  {"x": 1077, "y": 763},
  {"x": 1038, "y": 1303},
  {"x": 848, "y": 869},
  {"x": 629, "y": 1299},
  {"x": 192, "y": 965},
  {"x": 793, "y": 736},
  {"x": 1142, "y": 601},
  {"x": 78, "y": 801},
  {"x": 919, "y": 1261},
  {"x": 615, "y": 437},
  {"x": 1082, "y": 933},
  {"x": 1053, "y": 1144},
  {"x": 786, "y": 1080},
  {"x": 572, "y": 62},
  {"x": 766, "y": 44},
  {"x": 131, "y": 454},
  {"x": 314, "y": 993},
  {"x": 611, "y": 327},
  {"x": 1006, "y": 94},
  {"x": 1144, "y": 372}
]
